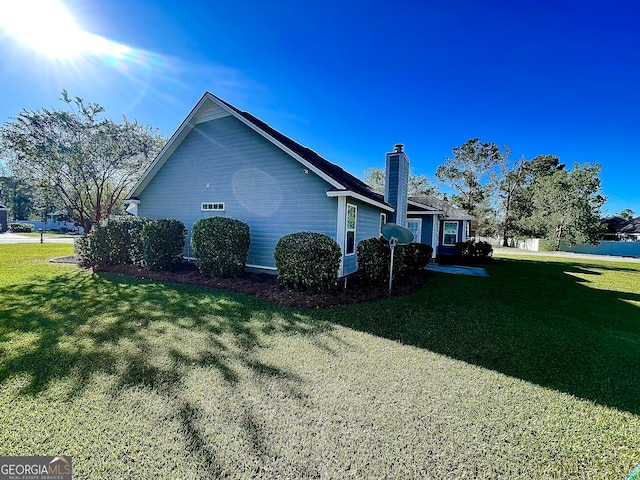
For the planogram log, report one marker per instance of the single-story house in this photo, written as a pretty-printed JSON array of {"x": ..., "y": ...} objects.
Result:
[
  {"x": 621, "y": 229},
  {"x": 224, "y": 161},
  {"x": 631, "y": 230},
  {"x": 3, "y": 218}
]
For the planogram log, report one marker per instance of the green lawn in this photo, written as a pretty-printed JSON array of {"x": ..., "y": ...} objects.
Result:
[{"x": 531, "y": 373}]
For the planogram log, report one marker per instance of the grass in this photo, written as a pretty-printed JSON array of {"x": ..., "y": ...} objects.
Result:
[{"x": 531, "y": 373}]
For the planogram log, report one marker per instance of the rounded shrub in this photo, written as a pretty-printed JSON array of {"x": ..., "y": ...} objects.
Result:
[
  {"x": 412, "y": 258},
  {"x": 220, "y": 245},
  {"x": 163, "y": 243},
  {"x": 114, "y": 241},
  {"x": 308, "y": 261},
  {"x": 374, "y": 257},
  {"x": 21, "y": 227},
  {"x": 474, "y": 252}
]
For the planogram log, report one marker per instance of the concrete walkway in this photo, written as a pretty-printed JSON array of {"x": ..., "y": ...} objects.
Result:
[
  {"x": 607, "y": 258},
  {"x": 8, "y": 237},
  {"x": 458, "y": 270}
]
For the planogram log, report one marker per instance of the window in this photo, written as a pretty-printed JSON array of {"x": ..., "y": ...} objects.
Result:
[
  {"x": 383, "y": 220},
  {"x": 415, "y": 225},
  {"x": 450, "y": 233},
  {"x": 212, "y": 207},
  {"x": 352, "y": 213}
]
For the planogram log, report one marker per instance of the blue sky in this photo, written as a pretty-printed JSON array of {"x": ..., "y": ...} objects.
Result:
[{"x": 351, "y": 79}]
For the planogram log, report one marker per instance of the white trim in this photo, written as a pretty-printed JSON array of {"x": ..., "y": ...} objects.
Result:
[
  {"x": 357, "y": 196},
  {"x": 382, "y": 214},
  {"x": 340, "y": 230},
  {"x": 435, "y": 229},
  {"x": 132, "y": 201},
  {"x": 418, "y": 238},
  {"x": 464, "y": 231},
  {"x": 247, "y": 265},
  {"x": 444, "y": 222},
  {"x": 347, "y": 229},
  {"x": 262, "y": 267}
]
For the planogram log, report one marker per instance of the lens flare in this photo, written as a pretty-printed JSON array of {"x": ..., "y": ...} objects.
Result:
[{"x": 43, "y": 25}]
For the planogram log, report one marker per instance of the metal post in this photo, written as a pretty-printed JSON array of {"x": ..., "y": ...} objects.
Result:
[
  {"x": 392, "y": 246},
  {"x": 41, "y": 239}
]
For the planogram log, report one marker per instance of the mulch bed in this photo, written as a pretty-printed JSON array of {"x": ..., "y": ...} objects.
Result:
[{"x": 266, "y": 286}]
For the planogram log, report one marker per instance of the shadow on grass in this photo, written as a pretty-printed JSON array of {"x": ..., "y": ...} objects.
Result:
[
  {"x": 537, "y": 321},
  {"x": 76, "y": 326}
]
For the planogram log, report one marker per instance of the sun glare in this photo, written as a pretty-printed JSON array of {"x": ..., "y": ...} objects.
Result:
[{"x": 43, "y": 25}]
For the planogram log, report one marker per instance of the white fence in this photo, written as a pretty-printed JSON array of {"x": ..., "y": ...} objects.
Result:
[{"x": 531, "y": 244}]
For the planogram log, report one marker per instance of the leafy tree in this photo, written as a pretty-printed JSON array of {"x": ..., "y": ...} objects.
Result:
[
  {"x": 543, "y": 165},
  {"x": 627, "y": 214},
  {"x": 566, "y": 205},
  {"x": 418, "y": 184},
  {"x": 88, "y": 162},
  {"x": 468, "y": 173},
  {"x": 17, "y": 196},
  {"x": 509, "y": 184}
]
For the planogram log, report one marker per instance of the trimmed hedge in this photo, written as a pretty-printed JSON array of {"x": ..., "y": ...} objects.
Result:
[
  {"x": 114, "y": 241},
  {"x": 412, "y": 258},
  {"x": 308, "y": 261},
  {"x": 220, "y": 245},
  {"x": 472, "y": 251},
  {"x": 374, "y": 257},
  {"x": 21, "y": 227},
  {"x": 163, "y": 243}
]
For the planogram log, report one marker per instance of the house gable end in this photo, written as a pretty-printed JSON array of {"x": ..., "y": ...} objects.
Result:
[{"x": 211, "y": 107}]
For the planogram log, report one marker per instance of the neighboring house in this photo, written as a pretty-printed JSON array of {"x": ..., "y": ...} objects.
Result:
[
  {"x": 223, "y": 161},
  {"x": 631, "y": 230},
  {"x": 621, "y": 229},
  {"x": 3, "y": 218}
]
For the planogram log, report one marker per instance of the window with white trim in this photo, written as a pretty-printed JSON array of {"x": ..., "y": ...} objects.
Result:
[
  {"x": 383, "y": 220},
  {"x": 449, "y": 233},
  {"x": 415, "y": 226},
  {"x": 212, "y": 207},
  {"x": 350, "y": 230}
]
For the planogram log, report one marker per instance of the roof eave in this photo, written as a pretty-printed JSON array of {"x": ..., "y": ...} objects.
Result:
[{"x": 362, "y": 198}]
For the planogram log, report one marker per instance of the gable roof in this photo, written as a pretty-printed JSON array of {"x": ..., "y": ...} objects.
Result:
[
  {"x": 632, "y": 226},
  {"x": 340, "y": 180},
  {"x": 438, "y": 204},
  {"x": 614, "y": 223}
]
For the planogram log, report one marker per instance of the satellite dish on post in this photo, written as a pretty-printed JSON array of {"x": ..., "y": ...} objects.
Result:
[{"x": 396, "y": 235}]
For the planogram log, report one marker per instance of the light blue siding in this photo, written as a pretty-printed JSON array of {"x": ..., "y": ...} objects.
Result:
[
  {"x": 368, "y": 225},
  {"x": 223, "y": 160}
]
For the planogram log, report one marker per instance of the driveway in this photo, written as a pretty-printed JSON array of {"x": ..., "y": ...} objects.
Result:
[{"x": 8, "y": 237}]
